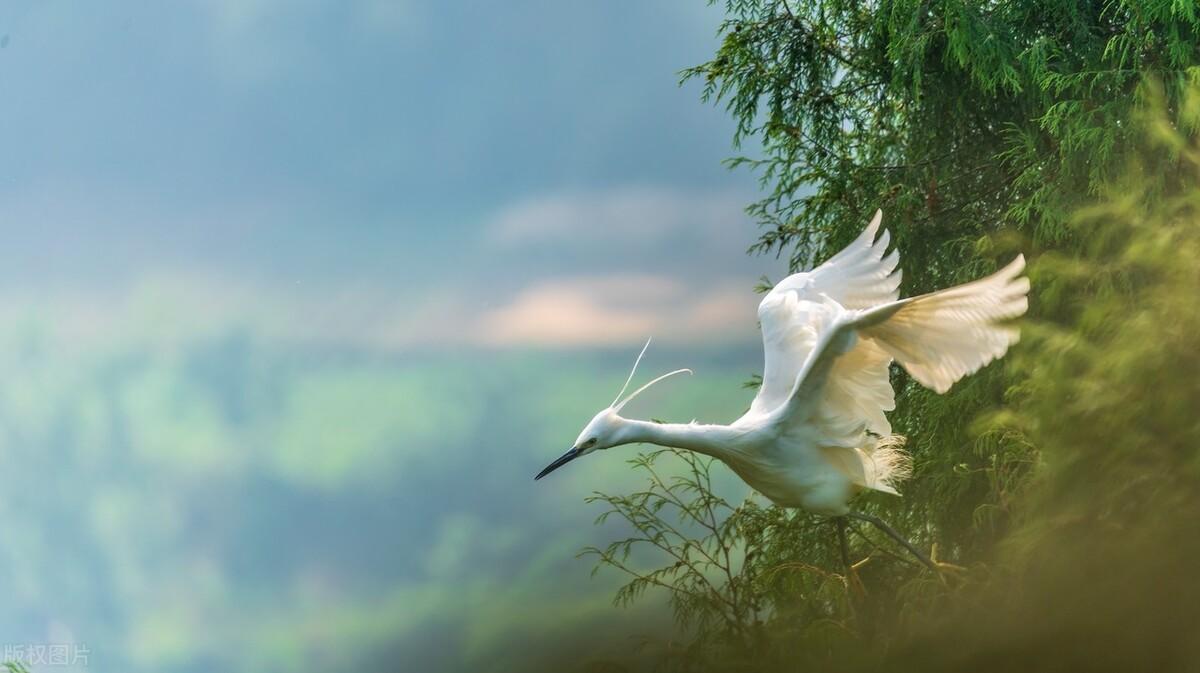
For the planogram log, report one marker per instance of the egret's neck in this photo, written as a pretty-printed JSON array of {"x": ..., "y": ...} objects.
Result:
[{"x": 712, "y": 440}]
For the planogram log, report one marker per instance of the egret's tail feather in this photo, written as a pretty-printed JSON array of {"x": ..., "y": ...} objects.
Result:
[
  {"x": 943, "y": 336},
  {"x": 886, "y": 464}
]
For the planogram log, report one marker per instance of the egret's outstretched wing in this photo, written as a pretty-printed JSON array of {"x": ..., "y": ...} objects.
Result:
[
  {"x": 792, "y": 314},
  {"x": 942, "y": 336},
  {"x": 938, "y": 337}
]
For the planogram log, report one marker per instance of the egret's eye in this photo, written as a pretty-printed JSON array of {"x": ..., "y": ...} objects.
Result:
[{"x": 588, "y": 444}]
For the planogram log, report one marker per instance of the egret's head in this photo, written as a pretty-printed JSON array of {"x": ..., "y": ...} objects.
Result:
[{"x": 604, "y": 431}]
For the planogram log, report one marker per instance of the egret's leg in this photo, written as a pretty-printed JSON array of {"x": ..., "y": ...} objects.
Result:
[
  {"x": 853, "y": 582},
  {"x": 891, "y": 532},
  {"x": 841, "y": 531},
  {"x": 851, "y": 573}
]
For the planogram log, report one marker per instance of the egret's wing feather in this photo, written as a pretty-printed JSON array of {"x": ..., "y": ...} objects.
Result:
[
  {"x": 841, "y": 392},
  {"x": 789, "y": 331},
  {"x": 859, "y": 276},
  {"x": 938, "y": 337},
  {"x": 943, "y": 336},
  {"x": 858, "y": 392},
  {"x": 841, "y": 387},
  {"x": 804, "y": 400}
]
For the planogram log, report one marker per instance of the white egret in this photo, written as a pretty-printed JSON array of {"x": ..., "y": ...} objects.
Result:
[{"x": 816, "y": 434}]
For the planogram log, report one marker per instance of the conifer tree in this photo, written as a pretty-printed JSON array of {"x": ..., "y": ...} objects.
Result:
[
  {"x": 979, "y": 128},
  {"x": 960, "y": 119}
]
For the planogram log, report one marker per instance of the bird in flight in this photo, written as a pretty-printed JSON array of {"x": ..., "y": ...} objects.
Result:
[{"x": 816, "y": 434}]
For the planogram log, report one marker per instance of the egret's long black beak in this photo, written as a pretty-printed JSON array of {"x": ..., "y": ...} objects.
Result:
[{"x": 562, "y": 460}]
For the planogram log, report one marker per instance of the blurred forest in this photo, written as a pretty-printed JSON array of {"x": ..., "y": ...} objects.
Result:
[
  {"x": 219, "y": 500},
  {"x": 1060, "y": 487}
]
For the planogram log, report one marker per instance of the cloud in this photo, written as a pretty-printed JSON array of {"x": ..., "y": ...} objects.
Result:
[
  {"x": 581, "y": 269},
  {"x": 670, "y": 263},
  {"x": 164, "y": 310},
  {"x": 618, "y": 309},
  {"x": 625, "y": 216}
]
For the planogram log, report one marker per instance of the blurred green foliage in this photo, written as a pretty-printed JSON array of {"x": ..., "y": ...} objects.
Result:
[
  {"x": 1063, "y": 483},
  {"x": 227, "y": 499}
]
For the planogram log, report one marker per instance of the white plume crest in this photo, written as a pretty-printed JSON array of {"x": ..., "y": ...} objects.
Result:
[
  {"x": 633, "y": 371},
  {"x": 643, "y": 388},
  {"x": 618, "y": 403}
]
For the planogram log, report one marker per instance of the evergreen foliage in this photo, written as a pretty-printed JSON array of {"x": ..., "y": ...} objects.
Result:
[{"x": 1061, "y": 482}]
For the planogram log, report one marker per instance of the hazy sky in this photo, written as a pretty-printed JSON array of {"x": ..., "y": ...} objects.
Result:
[
  {"x": 397, "y": 172},
  {"x": 254, "y": 256}
]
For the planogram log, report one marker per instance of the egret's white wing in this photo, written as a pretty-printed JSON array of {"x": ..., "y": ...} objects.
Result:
[
  {"x": 804, "y": 400},
  {"x": 793, "y": 313},
  {"x": 789, "y": 330},
  {"x": 942, "y": 336},
  {"x": 938, "y": 337},
  {"x": 858, "y": 392}
]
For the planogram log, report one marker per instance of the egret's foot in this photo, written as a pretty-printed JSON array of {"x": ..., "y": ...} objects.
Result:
[
  {"x": 854, "y": 583},
  {"x": 943, "y": 566}
]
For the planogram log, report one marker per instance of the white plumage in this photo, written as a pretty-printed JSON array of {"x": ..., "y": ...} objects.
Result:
[{"x": 817, "y": 431}]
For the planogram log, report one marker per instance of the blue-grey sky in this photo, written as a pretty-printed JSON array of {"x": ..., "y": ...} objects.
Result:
[{"x": 452, "y": 170}]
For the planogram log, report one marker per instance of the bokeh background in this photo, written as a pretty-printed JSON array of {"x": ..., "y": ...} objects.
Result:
[{"x": 296, "y": 297}]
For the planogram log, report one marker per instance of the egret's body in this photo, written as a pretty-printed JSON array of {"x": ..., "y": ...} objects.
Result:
[{"x": 817, "y": 434}]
